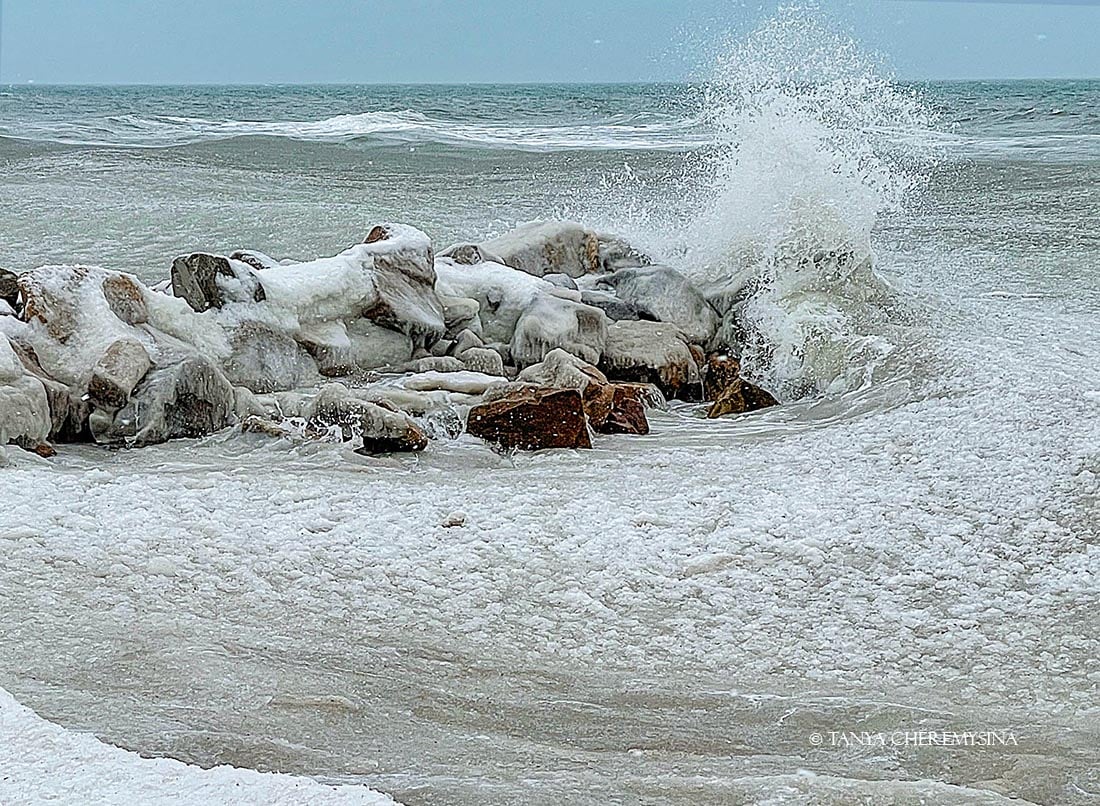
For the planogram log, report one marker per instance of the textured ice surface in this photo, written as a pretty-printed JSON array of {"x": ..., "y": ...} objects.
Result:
[{"x": 42, "y": 763}]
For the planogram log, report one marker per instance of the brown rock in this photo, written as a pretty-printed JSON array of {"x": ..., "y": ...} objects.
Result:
[
  {"x": 125, "y": 298},
  {"x": 723, "y": 384},
  {"x": 627, "y": 414},
  {"x": 531, "y": 418}
]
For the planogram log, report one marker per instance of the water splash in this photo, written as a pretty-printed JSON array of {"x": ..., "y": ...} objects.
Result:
[{"x": 812, "y": 149}]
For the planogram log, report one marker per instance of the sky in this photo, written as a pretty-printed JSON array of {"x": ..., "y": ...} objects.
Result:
[{"x": 444, "y": 41}]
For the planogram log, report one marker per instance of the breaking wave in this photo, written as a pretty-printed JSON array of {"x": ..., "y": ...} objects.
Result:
[
  {"x": 650, "y": 131},
  {"x": 811, "y": 146}
]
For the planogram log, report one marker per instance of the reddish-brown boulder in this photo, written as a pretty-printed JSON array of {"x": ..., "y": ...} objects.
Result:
[
  {"x": 532, "y": 418},
  {"x": 627, "y": 413},
  {"x": 730, "y": 393}
]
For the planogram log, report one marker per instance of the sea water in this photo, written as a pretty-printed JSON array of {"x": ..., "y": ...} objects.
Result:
[{"x": 763, "y": 609}]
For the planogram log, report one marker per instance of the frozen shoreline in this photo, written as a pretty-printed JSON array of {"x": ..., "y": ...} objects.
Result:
[{"x": 42, "y": 762}]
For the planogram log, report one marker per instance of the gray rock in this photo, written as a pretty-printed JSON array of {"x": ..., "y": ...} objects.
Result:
[
  {"x": 652, "y": 352},
  {"x": 442, "y": 363},
  {"x": 550, "y": 322},
  {"x": 191, "y": 398},
  {"x": 615, "y": 308},
  {"x": 669, "y": 296},
  {"x": 117, "y": 372},
  {"x": 266, "y": 360},
  {"x": 465, "y": 340},
  {"x": 195, "y": 277},
  {"x": 442, "y": 347},
  {"x": 561, "y": 281},
  {"x": 9, "y": 288},
  {"x": 482, "y": 359}
]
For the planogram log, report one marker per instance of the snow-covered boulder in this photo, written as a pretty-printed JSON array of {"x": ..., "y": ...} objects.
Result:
[
  {"x": 668, "y": 296},
  {"x": 502, "y": 293},
  {"x": 651, "y": 352},
  {"x": 118, "y": 371},
  {"x": 24, "y": 408},
  {"x": 562, "y": 247},
  {"x": 550, "y": 322}
]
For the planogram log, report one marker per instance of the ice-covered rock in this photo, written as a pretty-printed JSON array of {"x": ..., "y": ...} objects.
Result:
[
  {"x": 190, "y": 398},
  {"x": 561, "y": 369},
  {"x": 118, "y": 371},
  {"x": 210, "y": 281},
  {"x": 460, "y": 314},
  {"x": 434, "y": 363},
  {"x": 466, "y": 382},
  {"x": 464, "y": 341},
  {"x": 264, "y": 359},
  {"x": 562, "y": 247},
  {"x": 483, "y": 360},
  {"x": 532, "y": 418},
  {"x": 390, "y": 280},
  {"x": 551, "y": 322},
  {"x": 344, "y": 348},
  {"x": 561, "y": 281},
  {"x": 380, "y": 429},
  {"x": 502, "y": 293},
  {"x": 24, "y": 407},
  {"x": 615, "y": 308},
  {"x": 651, "y": 352},
  {"x": 668, "y": 296},
  {"x": 469, "y": 254},
  {"x": 69, "y": 410}
]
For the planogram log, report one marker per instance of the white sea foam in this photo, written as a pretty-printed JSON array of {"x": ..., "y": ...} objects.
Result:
[{"x": 653, "y": 131}]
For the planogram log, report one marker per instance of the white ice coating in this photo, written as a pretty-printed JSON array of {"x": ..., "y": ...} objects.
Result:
[{"x": 43, "y": 763}]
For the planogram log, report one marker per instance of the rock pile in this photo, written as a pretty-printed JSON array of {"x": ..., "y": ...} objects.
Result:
[{"x": 540, "y": 338}]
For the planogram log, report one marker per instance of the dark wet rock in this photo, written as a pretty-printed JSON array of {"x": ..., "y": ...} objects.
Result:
[
  {"x": 9, "y": 288},
  {"x": 191, "y": 398},
  {"x": 195, "y": 278},
  {"x": 627, "y": 414},
  {"x": 118, "y": 371},
  {"x": 257, "y": 260},
  {"x": 532, "y": 418},
  {"x": 668, "y": 296},
  {"x": 616, "y": 309},
  {"x": 652, "y": 352}
]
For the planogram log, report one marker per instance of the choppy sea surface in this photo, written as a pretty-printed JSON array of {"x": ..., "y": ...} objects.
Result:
[{"x": 704, "y": 615}]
